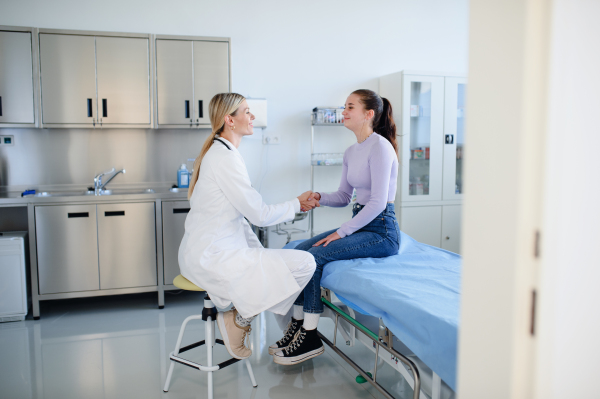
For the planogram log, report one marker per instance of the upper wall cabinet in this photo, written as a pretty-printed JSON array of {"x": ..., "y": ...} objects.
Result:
[
  {"x": 189, "y": 72},
  {"x": 95, "y": 80},
  {"x": 17, "y": 77}
]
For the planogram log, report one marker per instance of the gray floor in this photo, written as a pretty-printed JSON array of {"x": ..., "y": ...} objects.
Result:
[{"x": 117, "y": 347}]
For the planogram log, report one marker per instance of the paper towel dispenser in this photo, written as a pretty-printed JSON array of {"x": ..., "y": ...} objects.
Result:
[{"x": 258, "y": 107}]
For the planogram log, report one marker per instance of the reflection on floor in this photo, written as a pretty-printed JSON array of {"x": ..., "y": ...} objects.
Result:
[{"x": 118, "y": 347}]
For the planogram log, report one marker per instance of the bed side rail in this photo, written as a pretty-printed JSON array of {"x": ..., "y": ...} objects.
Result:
[{"x": 383, "y": 339}]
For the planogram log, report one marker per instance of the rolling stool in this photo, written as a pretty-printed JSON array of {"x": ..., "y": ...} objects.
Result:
[{"x": 209, "y": 314}]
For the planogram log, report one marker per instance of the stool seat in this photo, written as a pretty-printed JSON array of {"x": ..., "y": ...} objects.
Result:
[{"x": 185, "y": 284}]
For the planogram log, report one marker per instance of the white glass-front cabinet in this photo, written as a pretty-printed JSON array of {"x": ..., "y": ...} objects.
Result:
[
  {"x": 16, "y": 77},
  {"x": 91, "y": 80},
  {"x": 429, "y": 113},
  {"x": 189, "y": 72}
]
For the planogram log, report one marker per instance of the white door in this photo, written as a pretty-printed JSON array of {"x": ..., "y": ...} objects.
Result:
[
  {"x": 211, "y": 76},
  {"x": 68, "y": 75},
  {"x": 123, "y": 80},
  {"x": 454, "y": 137},
  {"x": 174, "y": 82},
  {"x": 422, "y": 138},
  {"x": 451, "y": 216},
  {"x": 423, "y": 223},
  {"x": 16, "y": 78}
]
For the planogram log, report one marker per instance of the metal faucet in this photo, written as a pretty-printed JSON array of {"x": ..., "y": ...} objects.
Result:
[{"x": 98, "y": 186}]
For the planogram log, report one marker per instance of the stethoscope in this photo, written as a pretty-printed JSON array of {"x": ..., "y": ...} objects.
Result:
[{"x": 222, "y": 142}]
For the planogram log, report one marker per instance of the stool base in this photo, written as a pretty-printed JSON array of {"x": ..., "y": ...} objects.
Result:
[{"x": 209, "y": 315}]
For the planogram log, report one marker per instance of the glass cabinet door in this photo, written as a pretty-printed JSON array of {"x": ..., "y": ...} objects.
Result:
[
  {"x": 454, "y": 137},
  {"x": 422, "y": 128}
]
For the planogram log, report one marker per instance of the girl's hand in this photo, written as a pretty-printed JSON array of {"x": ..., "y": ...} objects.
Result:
[
  {"x": 316, "y": 196},
  {"x": 331, "y": 237}
]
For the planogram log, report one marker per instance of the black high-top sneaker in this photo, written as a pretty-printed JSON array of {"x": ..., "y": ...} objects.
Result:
[
  {"x": 306, "y": 346},
  {"x": 288, "y": 336}
]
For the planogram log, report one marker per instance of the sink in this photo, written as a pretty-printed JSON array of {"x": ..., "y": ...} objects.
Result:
[
  {"x": 91, "y": 192},
  {"x": 61, "y": 193}
]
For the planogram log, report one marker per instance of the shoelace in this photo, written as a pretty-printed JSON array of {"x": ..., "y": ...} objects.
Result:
[
  {"x": 288, "y": 332},
  {"x": 296, "y": 344},
  {"x": 244, "y": 335}
]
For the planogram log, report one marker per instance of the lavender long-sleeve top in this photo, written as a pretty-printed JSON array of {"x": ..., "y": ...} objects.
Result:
[{"x": 370, "y": 167}]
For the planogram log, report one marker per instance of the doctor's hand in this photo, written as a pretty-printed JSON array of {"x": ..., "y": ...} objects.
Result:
[
  {"x": 307, "y": 201},
  {"x": 331, "y": 237}
]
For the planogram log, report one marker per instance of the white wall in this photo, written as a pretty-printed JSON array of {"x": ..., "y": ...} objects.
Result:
[
  {"x": 298, "y": 55},
  {"x": 569, "y": 318}
]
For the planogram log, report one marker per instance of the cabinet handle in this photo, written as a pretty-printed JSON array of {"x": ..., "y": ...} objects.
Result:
[
  {"x": 0, "y": 105},
  {"x": 200, "y": 111},
  {"x": 181, "y": 210},
  {"x": 449, "y": 139},
  {"x": 78, "y": 215},
  {"x": 447, "y": 238},
  {"x": 89, "y": 107},
  {"x": 187, "y": 109},
  {"x": 104, "y": 108},
  {"x": 114, "y": 213}
]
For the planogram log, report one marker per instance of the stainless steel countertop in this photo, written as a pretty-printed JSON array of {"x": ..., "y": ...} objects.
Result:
[{"x": 78, "y": 197}]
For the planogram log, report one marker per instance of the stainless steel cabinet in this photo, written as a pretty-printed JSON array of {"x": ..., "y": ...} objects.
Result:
[
  {"x": 67, "y": 250},
  {"x": 88, "y": 80},
  {"x": 16, "y": 78},
  {"x": 123, "y": 84},
  {"x": 188, "y": 74},
  {"x": 174, "y": 82},
  {"x": 211, "y": 75},
  {"x": 173, "y": 221},
  {"x": 68, "y": 76},
  {"x": 127, "y": 245}
]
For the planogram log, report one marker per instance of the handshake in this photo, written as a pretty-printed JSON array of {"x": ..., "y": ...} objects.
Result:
[{"x": 309, "y": 200}]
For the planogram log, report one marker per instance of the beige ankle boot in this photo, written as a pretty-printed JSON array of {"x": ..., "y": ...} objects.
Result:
[{"x": 234, "y": 336}]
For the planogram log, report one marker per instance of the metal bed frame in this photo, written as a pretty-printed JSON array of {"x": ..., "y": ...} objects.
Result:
[{"x": 383, "y": 340}]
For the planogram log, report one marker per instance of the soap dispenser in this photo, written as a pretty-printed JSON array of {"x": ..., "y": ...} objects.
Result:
[{"x": 183, "y": 177}]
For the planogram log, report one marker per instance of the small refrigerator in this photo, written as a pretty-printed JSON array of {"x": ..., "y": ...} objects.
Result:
[{"x": 13, "y": 280}]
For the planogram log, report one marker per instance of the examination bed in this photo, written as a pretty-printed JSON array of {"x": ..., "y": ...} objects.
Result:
[{"x": 415, "y": 296}]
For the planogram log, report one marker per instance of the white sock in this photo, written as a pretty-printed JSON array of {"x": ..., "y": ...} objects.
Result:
[
  {"x": 311, "y": 320},
  {"x": 240, "y": 321},
  {"x": 298, "y": 312}
]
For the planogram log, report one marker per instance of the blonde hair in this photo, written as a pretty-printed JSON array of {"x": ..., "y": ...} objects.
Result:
[{"x": 220, "y": 106}]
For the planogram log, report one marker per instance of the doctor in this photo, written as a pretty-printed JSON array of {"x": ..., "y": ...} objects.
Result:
[{"x": 219, "y": 251}]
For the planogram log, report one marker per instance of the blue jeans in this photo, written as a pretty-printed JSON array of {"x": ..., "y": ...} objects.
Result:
[{"x": 378, "y": 239}]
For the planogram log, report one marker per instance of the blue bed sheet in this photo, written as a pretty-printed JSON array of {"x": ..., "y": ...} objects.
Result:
[{"x": 416, "y": 293}]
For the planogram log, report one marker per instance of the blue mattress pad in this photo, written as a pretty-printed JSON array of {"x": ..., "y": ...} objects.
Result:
[{"x": 416, "y": 293}]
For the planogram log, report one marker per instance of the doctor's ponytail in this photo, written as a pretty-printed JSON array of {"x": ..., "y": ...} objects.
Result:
[{"x": 221, "y": 105}]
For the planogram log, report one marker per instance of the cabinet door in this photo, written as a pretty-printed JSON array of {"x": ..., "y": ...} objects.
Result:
[
  {"x": 67, "y": 248},
  {"x": 454, "y": 137},
  {"x": 174, "y": 82},
  {"x": 451, "y": 227},
  {"x": 123, "y": 80},
  {"x": 68, "y": 75},
  {"x": 423, "y": 223},
  {"x": 127, "y": 245},
  {"x": 422, "y": 137},
  {"x": 16, "y": 78},
  {"x": 173, "y": 218},
  {"x": 211, "y": 76}
]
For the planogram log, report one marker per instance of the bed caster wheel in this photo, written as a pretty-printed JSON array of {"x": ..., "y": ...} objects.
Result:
[{"x": 361, "y": 380}]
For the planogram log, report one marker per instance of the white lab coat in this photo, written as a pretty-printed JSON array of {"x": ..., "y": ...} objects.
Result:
[{"x": 219, "y": 251}]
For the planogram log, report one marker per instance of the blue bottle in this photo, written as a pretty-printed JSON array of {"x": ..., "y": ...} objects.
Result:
[{"x": 183, "y": 177}]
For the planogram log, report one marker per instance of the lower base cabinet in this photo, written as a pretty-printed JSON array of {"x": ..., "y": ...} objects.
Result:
[
  {"x": 174, "y": 214},
  {"x": 127, "y": 245},
  {"x": 67, "y": 248},
  {"x": 438, "y": 226},
  {"x": 95, "y": 247}
]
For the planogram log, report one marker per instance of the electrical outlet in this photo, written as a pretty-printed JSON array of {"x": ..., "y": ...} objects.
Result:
[
  {"x": 7, "y": 140},
  {"x": 270, "y": 139}
]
